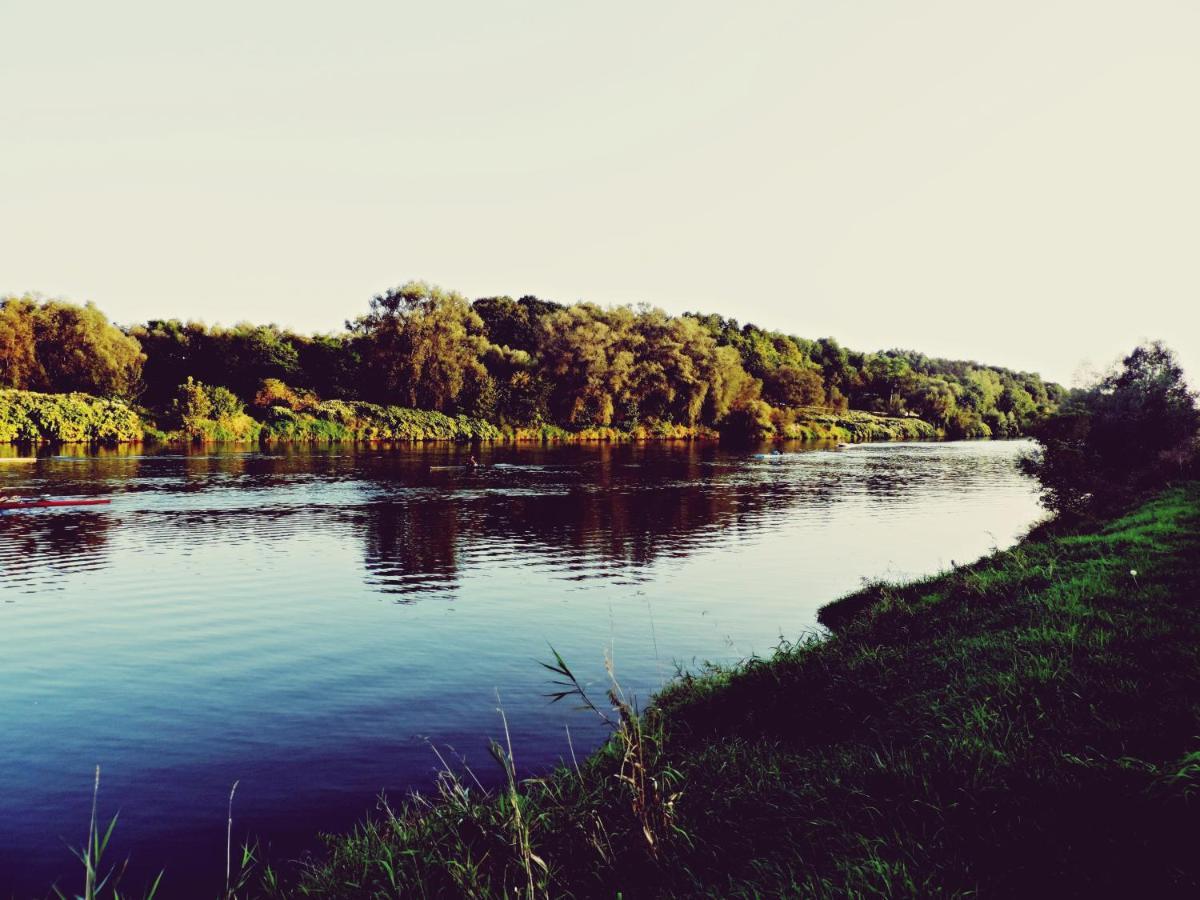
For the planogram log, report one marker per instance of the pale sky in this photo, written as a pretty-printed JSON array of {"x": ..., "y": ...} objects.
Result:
[{"x": 1013, "y": 182}]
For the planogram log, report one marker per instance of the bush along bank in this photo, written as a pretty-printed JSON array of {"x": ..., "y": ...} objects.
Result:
[
  {"x": 204, "y": 414},
  {"x": 1027, "y": 725},
  {"x": 851, "y": 426},
  {"x": 27, "y": 417},
  {"x": 337, "y": 420}
]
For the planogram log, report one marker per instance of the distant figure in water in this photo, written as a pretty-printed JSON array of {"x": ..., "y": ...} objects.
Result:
[{"x": 472, "y": 463}]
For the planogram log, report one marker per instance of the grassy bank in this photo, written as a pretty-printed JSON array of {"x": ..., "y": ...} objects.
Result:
[{"x": 1027, "y": 725}]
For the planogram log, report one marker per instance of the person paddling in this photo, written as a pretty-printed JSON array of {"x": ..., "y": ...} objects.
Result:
[{"x": 472, "y": 462}]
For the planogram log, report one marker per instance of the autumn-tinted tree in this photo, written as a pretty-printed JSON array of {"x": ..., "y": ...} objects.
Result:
[
  {"x": 51, "y": 345},
  {"x": 19, "y": 366}
]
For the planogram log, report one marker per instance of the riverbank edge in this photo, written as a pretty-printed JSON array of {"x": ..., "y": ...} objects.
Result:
[
  {"x": 1029, "y": 722},
  {"x": 30, "y": 418}
]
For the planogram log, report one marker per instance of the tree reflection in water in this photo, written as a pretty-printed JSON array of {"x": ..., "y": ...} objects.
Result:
[
  {"x": 36, "y": 546},
  {"x": 608, "y": 513},
  {"x": 577, "y": 513}
]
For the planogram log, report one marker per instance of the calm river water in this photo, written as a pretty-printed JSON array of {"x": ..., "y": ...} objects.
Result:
[{"x": 308, "y": 621}]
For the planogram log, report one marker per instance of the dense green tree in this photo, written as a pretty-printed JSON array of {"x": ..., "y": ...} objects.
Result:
[
  {"x": 886, "y": 378},
  {"x": 834, "y": 364},
  {"x": 422, "y": 347},
  {"x": 586, "y": 355},
  {"x": 252, "y": 353},
  {"x": 175, "y": 351},
  {"x": 19, "y": 366},
  {"x": 514, "y": 323},
  {"x": 794, "y": 385},
  {"x": 329, "y": 365},
  {"x": 51, "y": 345},
  {"x": 672, "y": 371},
  {"x": 935, "y": 400},
  {"x": 731, "y": 386},
  {"x": 1142, "y": 409}
]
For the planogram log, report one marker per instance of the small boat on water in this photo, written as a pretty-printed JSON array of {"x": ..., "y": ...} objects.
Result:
[
  {"x": 10, "y": 460},
  {"x": 41, "y": 504}
]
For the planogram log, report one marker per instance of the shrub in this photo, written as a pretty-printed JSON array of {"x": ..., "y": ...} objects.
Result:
[
  {"x": 335, "y": 420},
  {"x": 273, "y": 392},
  {"x": 211, "y": 414},
  {"x": 29, "y": 417}
]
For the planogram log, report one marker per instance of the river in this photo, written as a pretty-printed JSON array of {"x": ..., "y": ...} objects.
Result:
[{"x": 308, "y": 622}]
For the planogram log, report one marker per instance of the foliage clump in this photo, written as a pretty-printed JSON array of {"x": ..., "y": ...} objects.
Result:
[
  {"x": 343, "y": 420},
  {"x": 1131, "y": 432},
  {"x": 60, "y": 347},
  {"x": 31, "y": 417},
  {"x": 203, "y": 413}
]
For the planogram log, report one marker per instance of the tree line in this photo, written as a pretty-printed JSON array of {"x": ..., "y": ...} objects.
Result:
[{"x": 524, "y": 363}]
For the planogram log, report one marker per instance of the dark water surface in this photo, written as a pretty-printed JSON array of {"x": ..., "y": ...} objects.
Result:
[{"x": 305, "y": 621}]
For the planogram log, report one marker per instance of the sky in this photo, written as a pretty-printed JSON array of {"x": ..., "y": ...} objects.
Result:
[{"x": 1016, "y": 183}]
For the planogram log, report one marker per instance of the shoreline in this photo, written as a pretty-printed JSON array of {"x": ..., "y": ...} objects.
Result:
[
  {"x": 951, "y": 702},
  {"x": 33, "y": 419}
]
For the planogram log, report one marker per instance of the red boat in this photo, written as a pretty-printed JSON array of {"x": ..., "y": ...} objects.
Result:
[{"x": 38, "y": 504}]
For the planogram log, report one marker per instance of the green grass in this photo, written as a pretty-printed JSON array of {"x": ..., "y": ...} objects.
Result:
[{"x": 1027, "y": 725}]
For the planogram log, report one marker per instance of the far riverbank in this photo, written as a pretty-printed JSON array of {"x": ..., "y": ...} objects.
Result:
[{"x": 27, "y": 417}]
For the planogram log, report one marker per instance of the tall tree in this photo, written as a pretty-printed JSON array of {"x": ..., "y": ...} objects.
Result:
[
  {"x": 423, "y": 347},
  {"x": 19, "y": 366},
  {"x": 74, "y": 348}
]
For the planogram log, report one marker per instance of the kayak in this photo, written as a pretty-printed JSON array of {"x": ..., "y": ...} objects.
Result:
[
  {"x": 453, "y": 468},
  {"x": 38, "y": 504},
  {"x": 18, "y": 459}
]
